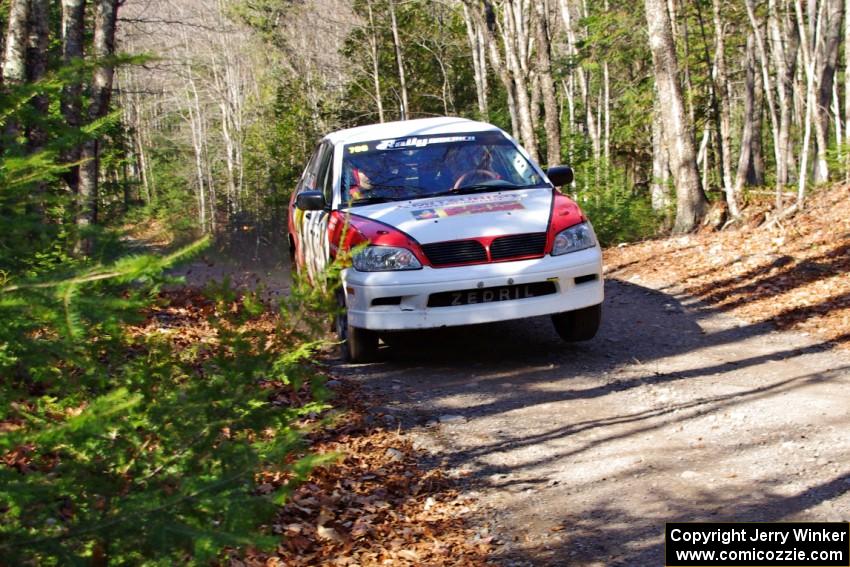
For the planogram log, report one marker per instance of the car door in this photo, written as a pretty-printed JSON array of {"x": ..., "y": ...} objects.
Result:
[
  {"x": 297, "y": 228},
  {"x": 316, "y": 246}
]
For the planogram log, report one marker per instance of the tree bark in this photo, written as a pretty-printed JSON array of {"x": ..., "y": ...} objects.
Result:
[
  {"x": 806, "y": 40},
  {"x": 479, "y": 63},
  {"x": 847, "y": 85},
  {"x": 405, "y": 108},
  {"x": 784, "y": 43},
  {"x": 39, "y": 38},
  {"x": 691, "y": 203},
  {"x": 826, "y": 61},
  {"x": 376, "y": 76},
  {"x": 487, "y": 21},
  {"x": 513, "y": 42},
  {"x": 552, "y": 120},
  {"x": 103, "y": 47},
  {"x": 748, "y": 119},
  {"x": 659, "y": 186},
  {"x": 73, "y": 28},
  {"x": 768, "y": 90},
  {"x": 722, "y": 90},
  {"x": 15, "y": 55}
]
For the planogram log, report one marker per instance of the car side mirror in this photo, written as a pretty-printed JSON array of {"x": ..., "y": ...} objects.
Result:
[
  {"x": 310, "y": 201},
  {"x": 560, "y": 175}
]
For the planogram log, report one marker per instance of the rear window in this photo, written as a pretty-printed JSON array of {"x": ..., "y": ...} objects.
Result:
[{"x": 416, "y": 167}]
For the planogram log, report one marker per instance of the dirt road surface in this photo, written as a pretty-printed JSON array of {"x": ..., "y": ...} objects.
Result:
[{"x": 578, "y": 454}]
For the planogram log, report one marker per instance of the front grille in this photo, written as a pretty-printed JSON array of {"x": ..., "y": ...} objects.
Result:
[
  {"x": 518, "y": 245},
  {"x": 455, "y": 252}
]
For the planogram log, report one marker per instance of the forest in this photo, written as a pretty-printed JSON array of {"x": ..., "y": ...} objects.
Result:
[{"x": 137, "y": 134}]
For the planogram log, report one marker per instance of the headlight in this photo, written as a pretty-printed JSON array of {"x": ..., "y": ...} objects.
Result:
[
  {"x": 385, "y": 259},
  {"x": 573, "y": 239}
]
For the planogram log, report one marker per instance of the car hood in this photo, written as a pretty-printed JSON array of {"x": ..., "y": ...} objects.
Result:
[{"x": 459, "y": 217}]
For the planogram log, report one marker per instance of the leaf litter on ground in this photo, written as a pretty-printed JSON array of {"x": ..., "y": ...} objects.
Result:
[{"x": 794, "y": 273}]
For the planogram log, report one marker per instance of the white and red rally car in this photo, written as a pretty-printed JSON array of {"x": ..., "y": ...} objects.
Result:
[{"x": 460, "y": 227}]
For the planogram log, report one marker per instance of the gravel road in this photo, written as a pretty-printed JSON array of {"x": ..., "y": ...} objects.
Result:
[{"x": 578, "y": 454}]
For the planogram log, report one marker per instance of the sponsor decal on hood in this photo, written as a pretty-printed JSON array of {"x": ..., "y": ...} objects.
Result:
[
  {"x": 495, "y": 203},
  {"x": 466, "y": 216}
]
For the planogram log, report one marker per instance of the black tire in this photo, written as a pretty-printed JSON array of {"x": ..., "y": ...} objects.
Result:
[
  {"x": 356, "y": 345},
  {"x": 293, "y": 264},
  {"x": 578, "y": 325}
]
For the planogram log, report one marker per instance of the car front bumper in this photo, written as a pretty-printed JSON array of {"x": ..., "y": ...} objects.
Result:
[{"x": 412, "y": 289}]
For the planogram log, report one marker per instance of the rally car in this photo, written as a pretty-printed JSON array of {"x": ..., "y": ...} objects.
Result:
[{"x": 450, "y": 223}]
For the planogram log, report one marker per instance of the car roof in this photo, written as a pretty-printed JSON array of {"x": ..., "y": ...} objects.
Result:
[{"x": 406, "y": 128}]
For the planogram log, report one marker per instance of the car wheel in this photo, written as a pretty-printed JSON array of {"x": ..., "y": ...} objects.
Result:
[
  {"x": 356, "y": 344},
  {"x": 578, "y": 325}
]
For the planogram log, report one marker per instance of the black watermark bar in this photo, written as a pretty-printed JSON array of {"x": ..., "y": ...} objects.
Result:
[{"x": 801, "y": 544}]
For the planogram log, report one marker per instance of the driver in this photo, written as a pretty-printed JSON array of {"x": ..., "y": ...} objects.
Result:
[
  {"x": 358, "y": 182},
  {"x": 480, "y": 171}
]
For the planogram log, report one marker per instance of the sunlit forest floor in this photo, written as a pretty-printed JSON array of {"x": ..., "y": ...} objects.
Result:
[
  {"x": 795, "y": 274},
  {"x": 378, "y": 503}
]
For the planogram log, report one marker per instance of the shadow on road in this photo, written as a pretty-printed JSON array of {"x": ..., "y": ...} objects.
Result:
[
  {"x": 541, "y": 411},
  {"x": 589, "y": 442}
]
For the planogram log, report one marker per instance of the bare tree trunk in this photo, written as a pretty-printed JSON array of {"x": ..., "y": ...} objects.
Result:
[
  {"x": 847, "y": 85},
  {"x": 479, "y": 64},
  {"x": 536, "y": 98},
  {"x": 576, "y": 75},
  {"x": 768, "y": 90},
  {"x": 755, "y": 174},
  {"x": 405, "y": 108},
  {"x": 748, "y": 119},
  {"x": 689, "y": 88},
  {"x": 15, "y": 55},
  {"x": 569, "y": 92},
  {"x": 584, "y": 82},
  {"x": 482, "y": 57},
  {"x": 103, "y": 47},
  {"x": 552, "y": 121},
  {"x": 836, "y": 114},
  {"x": 514, "y": 43},
  {"x": 784, "y": 47},
  {"x": 691, "y": 203},
  {"x": 376, "y": 75},
  {"x": 809, "y": 64},
  {"x": 659, "y": 186},
  {"x": 484, "y": 16},
  {"x": 725, "y": 97},
  {"x": 606, "y": 86},
  {"x": 826, "y": 61},
  {"x": 73, "y": 28},
  {"x": 39, "y": 37}
]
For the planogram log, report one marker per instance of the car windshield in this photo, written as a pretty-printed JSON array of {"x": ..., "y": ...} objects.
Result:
[{"x": 417, "y": 167}]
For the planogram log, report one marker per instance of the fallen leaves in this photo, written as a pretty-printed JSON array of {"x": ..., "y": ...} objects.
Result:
[
  {"x": 796, "y": 275},
  {"x": 374, "y": 506}
]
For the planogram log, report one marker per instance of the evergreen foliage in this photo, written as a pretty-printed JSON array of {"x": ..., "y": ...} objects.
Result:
[{"x": 119, "y": 442}]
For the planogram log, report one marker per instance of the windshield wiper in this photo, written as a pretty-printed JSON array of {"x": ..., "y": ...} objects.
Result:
[
  {"x": 483, "y": 188},
  {"x": 373, "y": 199}
]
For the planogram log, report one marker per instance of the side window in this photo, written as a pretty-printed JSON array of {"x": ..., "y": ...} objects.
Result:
[
  {"x": 309, "y": 179},
  {"x": 326, "y": 177}
]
